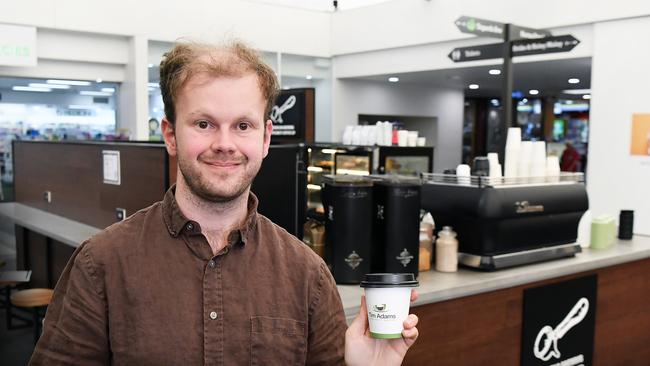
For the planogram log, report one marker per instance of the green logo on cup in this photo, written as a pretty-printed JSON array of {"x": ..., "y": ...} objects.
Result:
[{"x": 380, "y": 308}]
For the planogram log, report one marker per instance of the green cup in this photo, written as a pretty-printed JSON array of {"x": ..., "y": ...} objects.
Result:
[{"x": 603, "y": 232}]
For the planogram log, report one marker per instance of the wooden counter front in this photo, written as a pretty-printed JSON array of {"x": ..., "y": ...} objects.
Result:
[{"x": 486, "y": 329}]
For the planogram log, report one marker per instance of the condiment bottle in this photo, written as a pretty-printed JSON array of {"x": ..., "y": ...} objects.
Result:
[{"x": 447, "y": 250}]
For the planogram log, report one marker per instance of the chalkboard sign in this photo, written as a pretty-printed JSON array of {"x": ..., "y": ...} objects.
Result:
[
  {"x": 293, "y": 116},
  {"x": 559, "y": 323}
]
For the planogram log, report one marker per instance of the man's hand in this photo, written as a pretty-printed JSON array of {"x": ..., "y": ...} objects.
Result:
[{"x": 361, "y": 349}]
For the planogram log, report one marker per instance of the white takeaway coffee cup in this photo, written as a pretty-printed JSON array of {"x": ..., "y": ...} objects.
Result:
[{"x": 388, "y": 299}]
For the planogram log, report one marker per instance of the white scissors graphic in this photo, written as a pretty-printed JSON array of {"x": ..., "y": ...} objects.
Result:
[
  {"x": 276, "y": 112},
  {"x": 551, "y": 336}
]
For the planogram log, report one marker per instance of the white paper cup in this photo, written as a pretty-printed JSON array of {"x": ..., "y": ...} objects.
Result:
[
  {"x": 388, "y": 299},
  {"x": 421, "y": 141},
  {"x": 412, "y": 138},
  {"x": 402, "y": 137}
]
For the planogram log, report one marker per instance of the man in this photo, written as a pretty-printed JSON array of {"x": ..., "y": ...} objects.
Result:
[{"x": 201, "y": 277}]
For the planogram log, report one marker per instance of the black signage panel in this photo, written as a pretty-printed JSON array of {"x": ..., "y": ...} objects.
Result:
[
  {"x": 473, "y": 53},
  {"x": 518, "y": 32},
  {"x": 545, "y": 45},
  {"x": 480, "y": 27},
  {"x": 293, "y": 116},
  {"x": 559, "y": 322}
]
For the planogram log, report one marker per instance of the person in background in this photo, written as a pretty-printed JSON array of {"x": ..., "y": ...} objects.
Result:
[
  {"x": 570, "y": 160},
  {"x": 201, "y": 277}
]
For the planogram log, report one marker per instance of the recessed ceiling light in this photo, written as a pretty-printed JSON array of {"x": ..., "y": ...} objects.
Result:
[
  {"x": 95, "y": 93},
  {"x": 31, "y": 89},
  {"x": 150, "y": 65},
  {"x": 569, "y": 102},
  {"x": 533, "y": 92},
  {"x": 473, "y": 86},
  {"x": 68, "y": 82},
  {"x": 494, "y": 72},
  {"x": 574, "y": 81},
  {"x": 108, "y": 90},
  {"x": 309, "y": 77},
  {"x": 49, "y": 86},
  {"x": 153, "y": 85},
  {"x": 393, "y": 79},
  {"x": 98, "y": 80},
  {"x": 586, "y": 96},
  {"x": 576, "y": 91}
]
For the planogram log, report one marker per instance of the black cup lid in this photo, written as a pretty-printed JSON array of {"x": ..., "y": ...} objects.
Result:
[{"x": 389, "y": 280}]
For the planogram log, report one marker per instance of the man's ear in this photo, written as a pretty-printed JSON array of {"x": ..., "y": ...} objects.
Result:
[
  {"x": 169, "y": 134},
  {"x": 268, "y": 130}
]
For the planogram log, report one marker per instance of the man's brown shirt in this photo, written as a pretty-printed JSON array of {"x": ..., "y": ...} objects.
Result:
[{"x": 149, "y": 291}]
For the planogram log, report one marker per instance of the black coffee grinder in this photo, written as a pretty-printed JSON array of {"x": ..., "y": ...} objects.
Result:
[
  {"x": 396, "y": 224},
  {"x": 347, "y": 200}
]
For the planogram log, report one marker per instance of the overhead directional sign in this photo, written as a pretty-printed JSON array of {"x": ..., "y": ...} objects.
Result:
[
  {"x": 522, "y": 47},
  {"x": 490, "y": 28},
  {"x": 545, "y": 45},
  {"x": 480, "y": 27},
  {"x": 517, "y": 32},
  {"x": 473, "y": 53}
]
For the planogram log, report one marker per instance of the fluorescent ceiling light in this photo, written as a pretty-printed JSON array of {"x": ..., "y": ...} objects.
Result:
[
  {"x": 68, "y": 82},
  {"x": 574, "y": 81},
  {"x": 108, "y": 90},
  {"x": 153, "y": 85},
  {"x": 309, "y": 77},
  {"x": 95, "y": 93},
  {"x": 586, "y": 96},
  {"x": 150, "y": 65},
  {"x": 31, "y": 89},
  {"x": 494, "y": 72},
  {"x": 49, "y": 86},
  {"x": 393, "y": 79},
  {"x": 473, "y": 86},
  {"x": 79, "y": 106},
  {"x": 533, "y": 92},
  {"x": 576, "y": 91}
]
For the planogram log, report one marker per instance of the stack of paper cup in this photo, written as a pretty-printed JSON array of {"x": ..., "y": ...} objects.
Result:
[
  {"x": 538, "y": 159},
  {"x": 463, "y": 172},
  {"x": 513, "y": 149},
  {"x": 412, "y": 138},
  {"x": 388, "y": 133},
  {"x": 495, "y": 167},
  {"x": 421, "y": 141},
  {"x": 525, "y": 157},
  {"x": 379, "y": 133},
  {"x": 552, "y": 169}
]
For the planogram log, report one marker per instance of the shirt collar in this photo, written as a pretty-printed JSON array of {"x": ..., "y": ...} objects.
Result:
[{"x": 177, "y": 223}]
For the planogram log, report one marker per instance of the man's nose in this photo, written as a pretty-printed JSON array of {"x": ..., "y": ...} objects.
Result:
[{"x": 224, "y": 141}]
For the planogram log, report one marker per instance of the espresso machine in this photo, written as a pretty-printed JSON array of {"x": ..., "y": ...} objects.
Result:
[
  {"x": 505, "y": 222},
  {"x": 396, "y": 224},
  {"x": 347, "y": 200}
]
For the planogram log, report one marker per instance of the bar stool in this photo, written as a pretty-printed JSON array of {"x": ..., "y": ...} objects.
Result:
[{"x": 34, "y": 299}]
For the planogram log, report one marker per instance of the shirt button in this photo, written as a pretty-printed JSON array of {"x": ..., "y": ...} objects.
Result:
[
  {"x": 212, "y": 264},
  {"x": 190, "y": 227},
  {"x": 213, "y": 315}
]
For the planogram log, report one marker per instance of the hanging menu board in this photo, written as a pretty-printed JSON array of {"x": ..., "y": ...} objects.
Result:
[
  {"x": 559, "y": 322},
  {"x": 293, "y": 116}
]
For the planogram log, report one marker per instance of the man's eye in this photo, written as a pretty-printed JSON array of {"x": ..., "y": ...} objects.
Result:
[
  {"x": 243, "y": 126},
  {"x": 203, "y": 125}
]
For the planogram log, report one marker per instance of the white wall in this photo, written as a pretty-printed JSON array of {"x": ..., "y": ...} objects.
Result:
[
  {"x": 620, "y": 79},
  {"x": 268, "y": 27},
  {"x": 403, "y": 23},
  {"x": 354, "y": 97}
]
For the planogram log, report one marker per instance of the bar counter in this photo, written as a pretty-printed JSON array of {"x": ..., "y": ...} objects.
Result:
[{"x": 466, "y": 318}]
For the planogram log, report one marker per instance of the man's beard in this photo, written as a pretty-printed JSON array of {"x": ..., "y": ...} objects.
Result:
[{"x": 215, "y": 191}]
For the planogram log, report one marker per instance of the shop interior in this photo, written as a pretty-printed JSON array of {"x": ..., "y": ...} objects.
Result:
[{"x": 375, "y": 118}]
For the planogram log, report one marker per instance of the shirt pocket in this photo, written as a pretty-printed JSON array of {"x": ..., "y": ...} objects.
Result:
[{"x": 277, "y": 341}]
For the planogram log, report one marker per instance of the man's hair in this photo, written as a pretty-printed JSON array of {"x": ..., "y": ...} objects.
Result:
[{"x": 231, "y": 59}]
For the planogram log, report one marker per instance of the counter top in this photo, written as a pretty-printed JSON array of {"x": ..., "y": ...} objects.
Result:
[
  {"x": 438, "y": 286},
  {"x": 434, "y": 286},
  {"x": 54, "y": 226}
]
